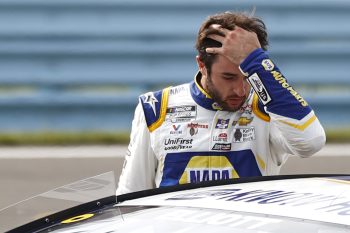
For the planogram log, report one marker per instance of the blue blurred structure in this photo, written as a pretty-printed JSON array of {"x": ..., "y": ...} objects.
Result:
[{"x": 80, "y": 65}]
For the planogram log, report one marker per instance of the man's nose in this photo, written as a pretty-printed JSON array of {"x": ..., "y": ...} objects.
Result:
[{"x": 238, "y": 88}]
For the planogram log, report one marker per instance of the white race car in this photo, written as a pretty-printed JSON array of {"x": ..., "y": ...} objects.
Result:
[{"x": 288, "y": 204}]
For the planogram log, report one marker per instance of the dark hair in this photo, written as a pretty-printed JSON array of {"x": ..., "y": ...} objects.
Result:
[{"x": 227, "y": 20}]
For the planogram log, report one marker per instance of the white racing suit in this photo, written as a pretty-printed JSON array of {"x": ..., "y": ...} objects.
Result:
[{"x": 179, "y": 134}]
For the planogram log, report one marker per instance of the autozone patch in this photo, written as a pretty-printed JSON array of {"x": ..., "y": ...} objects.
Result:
[{"x": 259, "y": 88}]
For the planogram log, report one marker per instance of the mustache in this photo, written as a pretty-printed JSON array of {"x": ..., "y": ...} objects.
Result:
[{"x": 234, "y": 97}]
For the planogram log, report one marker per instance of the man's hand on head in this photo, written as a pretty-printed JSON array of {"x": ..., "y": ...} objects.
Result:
[{"x": 237, "y": 44}]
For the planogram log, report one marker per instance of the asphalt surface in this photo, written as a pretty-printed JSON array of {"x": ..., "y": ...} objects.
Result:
[{"x": 28, "y": 171}]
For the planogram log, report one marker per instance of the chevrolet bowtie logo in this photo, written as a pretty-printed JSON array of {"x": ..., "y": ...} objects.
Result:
[{"x": 243, "y": 121}]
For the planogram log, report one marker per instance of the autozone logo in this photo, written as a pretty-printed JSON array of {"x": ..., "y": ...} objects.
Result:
[{"x": 278, "y": 77}]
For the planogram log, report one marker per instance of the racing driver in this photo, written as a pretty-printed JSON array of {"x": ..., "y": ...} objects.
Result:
[{"x": 238, "y": 118}]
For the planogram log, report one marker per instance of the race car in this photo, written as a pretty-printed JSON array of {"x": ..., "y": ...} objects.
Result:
[{"x": 270, "y": 204}]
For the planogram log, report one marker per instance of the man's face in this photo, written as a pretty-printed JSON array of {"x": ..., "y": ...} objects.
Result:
[{"x": 227, "y": 85}]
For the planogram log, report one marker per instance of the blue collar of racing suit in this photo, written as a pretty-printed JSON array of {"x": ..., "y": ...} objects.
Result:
[
  {"x": 203, "y": 99},
  {"x": 200, "y": 96}
]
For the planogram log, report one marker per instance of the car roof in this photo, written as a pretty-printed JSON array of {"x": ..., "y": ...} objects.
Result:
[
  {"x": 323, "y": 199},
  {"x": 303, "y": 201}
]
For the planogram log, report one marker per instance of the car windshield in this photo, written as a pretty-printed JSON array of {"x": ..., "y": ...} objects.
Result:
[{"x": 56, "y": 200}]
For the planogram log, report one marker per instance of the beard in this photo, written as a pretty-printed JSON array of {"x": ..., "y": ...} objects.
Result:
[{"x": 218, "y": 98}]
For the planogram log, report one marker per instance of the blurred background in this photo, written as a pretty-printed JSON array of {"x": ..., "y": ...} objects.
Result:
[{"x": 71, "y": 71}]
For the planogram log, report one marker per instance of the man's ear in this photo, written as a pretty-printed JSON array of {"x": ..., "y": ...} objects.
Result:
[{"x": 201, "y": 66}]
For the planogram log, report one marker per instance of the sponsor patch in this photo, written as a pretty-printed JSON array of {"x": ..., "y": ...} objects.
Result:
[
  {"x": 193, "y": 131},
  {"x": 222, "y": 124},
  {"x": 222, "y": 137},
  {"x": 267, "y": 64},
  {"x": 181, "y": 113},
  {"x": 200, "y": 175},
  {"x": 177, "y": 143},
  {"x": 243, "y": 121},
  {"x": 278, "y": 77},
  {"x": 193, "y": 127},
  {"x": 196, "y": 171},
  {"x": 246, "y": 109},
  {"x": 176, "y": 90},
  {"x": 222, "y": 146},
  {"x": 244, "y": 134},
  {"x": 259, "y": 88},
  {"x": 176, "y": 130},
  {"x": 197, "y": 125}
]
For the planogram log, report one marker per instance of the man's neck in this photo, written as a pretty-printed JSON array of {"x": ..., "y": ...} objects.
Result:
[{"x": 202, "y": 81}]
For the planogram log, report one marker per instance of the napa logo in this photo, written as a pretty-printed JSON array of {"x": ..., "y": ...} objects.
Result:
[
  {"x": 177, "y": 90},
  {"x": 205, "y": 168},
  {"x": 267, "y": 64}
]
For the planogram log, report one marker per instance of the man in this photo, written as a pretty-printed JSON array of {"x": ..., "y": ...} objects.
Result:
[{"x": 238, "y": 118}]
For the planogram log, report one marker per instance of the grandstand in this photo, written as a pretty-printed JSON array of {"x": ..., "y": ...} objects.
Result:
[{"x": 80, "y": 65}]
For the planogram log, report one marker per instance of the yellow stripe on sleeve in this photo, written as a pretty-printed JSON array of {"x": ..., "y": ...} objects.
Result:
[
  {"x": 257, "y": 111},
  {"x": 302, "y": 126}
]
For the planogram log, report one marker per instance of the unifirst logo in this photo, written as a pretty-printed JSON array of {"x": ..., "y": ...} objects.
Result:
[{"x": 278, "y": 77}]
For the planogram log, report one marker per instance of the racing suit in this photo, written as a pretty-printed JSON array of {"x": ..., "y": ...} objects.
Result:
[{"x": 180, "y": 135}]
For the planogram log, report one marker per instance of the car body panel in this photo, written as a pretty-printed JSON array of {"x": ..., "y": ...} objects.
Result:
[
  {"x": 188, "y": 219},
  {"x": 289, "y": 204},
  {"x": 318, "y": 199}
]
